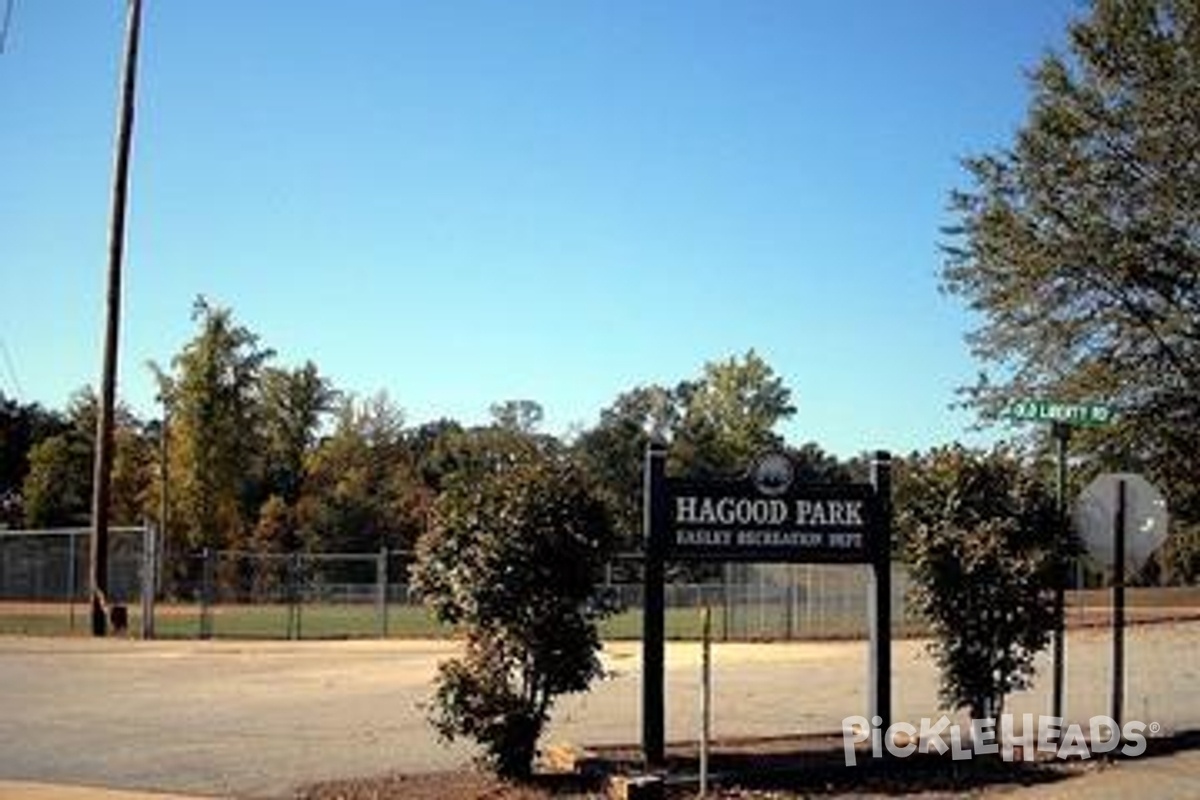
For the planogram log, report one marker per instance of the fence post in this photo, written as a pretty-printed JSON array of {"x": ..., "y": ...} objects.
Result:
[
  {"x": 725, "y": 588},
  {"x": 206, "y": 586},
  {"x": 149, "y": 574},
  {"x": 288, "y": 595},
  {"x": 71, "y": 580},
  {"x": 293, "y": 595},
  {"x": 381, "y": 597},
  {"x": 789, "y": 601},
  {"x": 810, "y": 618}
]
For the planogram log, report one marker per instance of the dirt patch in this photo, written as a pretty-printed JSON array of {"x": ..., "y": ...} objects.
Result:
[
  {"x": 471, "y": 786},
  {"x": 776, "y": 768},
  {"x": 464, "y": 785}
]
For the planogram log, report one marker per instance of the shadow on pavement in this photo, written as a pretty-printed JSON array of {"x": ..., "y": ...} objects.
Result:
[
  {"x": 796, "y": 766},
  {"x": 1170, "y": 745},
  {"x": 816, "y": 765}
]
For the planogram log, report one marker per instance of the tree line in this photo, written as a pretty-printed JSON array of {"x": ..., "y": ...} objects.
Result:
[
  {"x": 255, "y": 456},
  {"x": 251, "y": 454}
]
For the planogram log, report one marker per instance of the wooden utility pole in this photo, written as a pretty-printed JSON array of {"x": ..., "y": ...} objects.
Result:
[{"x": 102, "y": 467}]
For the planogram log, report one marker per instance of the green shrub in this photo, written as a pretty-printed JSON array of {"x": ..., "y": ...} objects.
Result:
[
  {"x": 979, "y": 534},
  {"x": 514, "y": 556}
]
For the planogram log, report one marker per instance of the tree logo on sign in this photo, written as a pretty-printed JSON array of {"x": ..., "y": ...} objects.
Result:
[{"x": 773, "y": 474}]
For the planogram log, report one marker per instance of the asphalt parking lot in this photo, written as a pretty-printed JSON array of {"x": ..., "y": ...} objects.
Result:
[{"x": 258, "y": 719}]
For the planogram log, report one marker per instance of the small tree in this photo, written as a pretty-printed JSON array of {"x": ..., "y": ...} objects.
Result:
[
  {"x": 514, "y": 554},
  {"x": 978, "y": 534}
]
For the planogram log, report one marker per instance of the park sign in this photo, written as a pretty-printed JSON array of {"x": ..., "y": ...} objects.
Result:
[
  {"x": 767, "y": 516},
  {"x": 1081, "y": 414}
]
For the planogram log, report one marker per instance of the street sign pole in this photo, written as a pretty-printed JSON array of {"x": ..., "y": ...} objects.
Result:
[
  {"x": 1118, "y": 654},
  {"x": 1062, "y": 436},
  {"x": 1062, "y": 417},
  {"x": 1122, "y": 519}
]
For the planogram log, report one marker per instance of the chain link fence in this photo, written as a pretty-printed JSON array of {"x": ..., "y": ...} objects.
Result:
[
  {"x": 770, "y": 602},
  {"x": 291, "y": 596},
  {"x": 253, "y": 595},
  {"x": 44, "y": 586},
  {"x": 331, "y": 595},
  {"x": 244, "y": 594}
]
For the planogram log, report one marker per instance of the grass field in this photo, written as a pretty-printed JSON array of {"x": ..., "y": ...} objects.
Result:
[
  {"x": 323, "y": 621},
  {"x": 1086, "y": 608}
]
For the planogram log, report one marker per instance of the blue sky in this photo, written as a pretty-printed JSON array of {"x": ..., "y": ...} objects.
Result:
[{"x": 465, "y": 202}]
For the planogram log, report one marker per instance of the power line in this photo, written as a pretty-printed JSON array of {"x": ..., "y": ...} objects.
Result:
[
  {"x": 12, "y": 372},
  {"x": 8, "y": 9}
]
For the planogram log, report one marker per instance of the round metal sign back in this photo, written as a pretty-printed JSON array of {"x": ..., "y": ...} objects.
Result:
[{"x": 1145, "y": 518}]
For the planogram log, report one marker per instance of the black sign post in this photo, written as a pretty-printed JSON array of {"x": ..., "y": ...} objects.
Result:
[
  {"x": 1118, "y": 619},
  {"x": 765, "y": 516},
  {"x": 653, "y": 606},
  {"x": 880, "y": 599}
]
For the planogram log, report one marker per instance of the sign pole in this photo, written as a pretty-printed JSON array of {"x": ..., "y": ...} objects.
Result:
[
  {"x": 705, "y": 696},
  {"x": 880, "y": 598},
  {"x": 1062, "y": 435},
  {"x": 653, "y": 605},
  {"x": 1118, "y": 654},
  {"x": 1062, "y": 416}
]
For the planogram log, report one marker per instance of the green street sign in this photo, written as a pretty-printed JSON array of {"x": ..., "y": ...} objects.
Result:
[{"x": 1089, "y": 414}]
